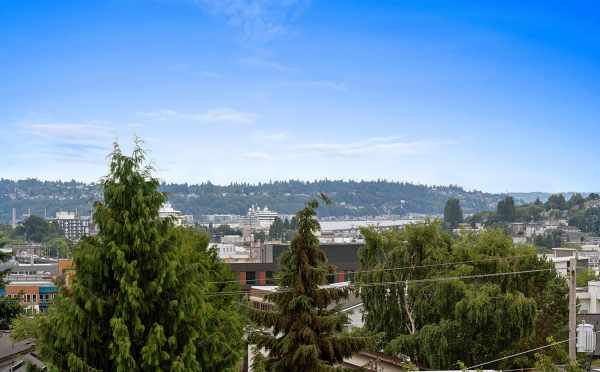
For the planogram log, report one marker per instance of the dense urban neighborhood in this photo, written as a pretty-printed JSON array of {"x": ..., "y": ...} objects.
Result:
[{"x": 433, "y": 291}]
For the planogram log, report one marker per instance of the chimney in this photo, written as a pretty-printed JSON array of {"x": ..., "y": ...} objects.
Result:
[{"x": 14, "y": 218}]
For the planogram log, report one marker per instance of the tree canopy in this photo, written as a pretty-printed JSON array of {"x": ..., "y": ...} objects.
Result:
[
  {"x": 37, "y": 229},
  {"x": 505, "y": 211},
  {"x": 303, "y": 333},
  {"x": 557, "y": 201},
  {"x": 588, "y": 220},
  {"x": 142, "y": 297},
  {"x": 352, "y": 198},
  {"x": 453, "y": 214},
  {"x": 443, "y": 323}
]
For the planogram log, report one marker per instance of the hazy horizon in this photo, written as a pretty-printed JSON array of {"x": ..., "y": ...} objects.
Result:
[{"x": 568, "y": 192}]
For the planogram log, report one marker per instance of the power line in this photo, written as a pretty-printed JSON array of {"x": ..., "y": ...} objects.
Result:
[
  {"x": 397, "y": 268},
  {"x": 374, "y": 284},
  {"x": 521, "y": 353},
  {"x": 524, "y": 352}
]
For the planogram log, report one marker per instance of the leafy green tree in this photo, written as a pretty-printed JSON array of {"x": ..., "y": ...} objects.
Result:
[
  {"x": 223, "y": 230},
  {"x": 277, "y": 230},
  {"x": 556, "y": 201},
  {"x": 587, "y": 220},
  {"x": 592, "y": 196},
  {"x": 260, "y": 236},
  {"x": 37, "y": 229},
  {"x": 505, "y": 211},
  {"x": 584, "y": 276},
  {"x": 453, "y": 214},
  {"x": 576, "y": 201},
  {"x": 550, "y": 239},
  {"x": 139, "y": 301},
  {"x": 439, "y": 324},
  {"x": 303, "y": 333},
  {"x": 59, "y": 248}
]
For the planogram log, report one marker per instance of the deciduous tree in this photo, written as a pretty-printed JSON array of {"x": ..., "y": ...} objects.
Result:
[{"x": 440, "y": 323}]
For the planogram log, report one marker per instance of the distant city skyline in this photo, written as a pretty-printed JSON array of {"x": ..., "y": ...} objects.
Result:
[{"x": 498, "y": 98}]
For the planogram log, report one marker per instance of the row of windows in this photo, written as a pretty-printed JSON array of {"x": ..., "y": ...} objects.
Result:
[
  {"x": 264, "y": 306},
  {"x": 31, "y": 298},
  {"x": 252, "y": 277}
]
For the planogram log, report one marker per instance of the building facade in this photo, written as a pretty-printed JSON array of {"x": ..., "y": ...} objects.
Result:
[{"x": 74, "y": 226}]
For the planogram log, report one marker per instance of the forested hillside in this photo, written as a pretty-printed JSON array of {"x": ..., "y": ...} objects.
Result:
[{"x": 351, "y": 198}]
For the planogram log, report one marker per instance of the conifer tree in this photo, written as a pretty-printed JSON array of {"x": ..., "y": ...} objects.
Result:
[
  {"x": 303, "y": 332},
  {"x": 138, "y": 301},
  {"x": 453, "y": 214}
]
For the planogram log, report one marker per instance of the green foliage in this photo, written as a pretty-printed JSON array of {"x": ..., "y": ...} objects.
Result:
[
  {"x": 550, "y": 359},
  {"x": 9, "y": 309},
  {"x": 139, "y": 300},
  {"x": 260, "y": 236},
  {"x": 556, "y": 201},
  {"x": 576, "y": 201},
  {"x": 282, "y": 229},
  {"x": 59, "y": 247},
  {"x": 352, "y": 198},
  {"x": 453, "y": 214},
  {"x": 592, "y": 196},
  {"x": 27, "y": 327},
  {"x": 37, "y": 229},
  {"x": 529, "y": 213},
  {"x": 587, "y": 220},
  {"x": 505, "y": 212},
  {"x": 303, "y": 332},
  {"x": 439, "y": 323},
  {"x": 584, "y": 276},
  {"x": 222, "y": 230},
  {"x": 550, "y": 239}
]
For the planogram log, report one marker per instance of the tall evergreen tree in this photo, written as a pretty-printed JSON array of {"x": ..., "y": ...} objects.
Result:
[
  {"x": 303, "y": 333},
  {"x": 138, "y": 302},
  {"x": 506, "y": 209},
  {"x": 453, "y": 214},
  {"x": 556, "y": 201}
]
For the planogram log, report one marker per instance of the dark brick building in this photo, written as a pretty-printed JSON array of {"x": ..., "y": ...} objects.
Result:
[{"x": 343, "y": 256}]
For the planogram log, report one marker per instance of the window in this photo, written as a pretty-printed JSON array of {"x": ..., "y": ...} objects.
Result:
[{"x": 270, "y": 279}]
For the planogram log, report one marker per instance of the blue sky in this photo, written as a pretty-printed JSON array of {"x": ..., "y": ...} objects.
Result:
[{"x": 499, "y": 96}]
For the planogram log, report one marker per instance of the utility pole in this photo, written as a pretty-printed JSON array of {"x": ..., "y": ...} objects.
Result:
[{"x": 573, "y": 308}]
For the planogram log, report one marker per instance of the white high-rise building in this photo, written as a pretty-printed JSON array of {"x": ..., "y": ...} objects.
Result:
[
  {"x": 258, "y": 218},
  {"x": 179, "y": 219},
  {"x": 75, "y": 226}
]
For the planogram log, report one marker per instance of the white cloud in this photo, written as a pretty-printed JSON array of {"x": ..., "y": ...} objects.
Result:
[
  {"x": 217, "y": 115},
  {"x": 228, "y": 115},
  {"x": 325, "y": 84},
  {"x": 257, "y": 20},
  {"x": 66, "y": 131},
  {"x": 391, "y": 145},
  {"x": 270, "y": 136},
  {"x": 257, "y": 156},
  {"x": 268, "y": 64}
]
